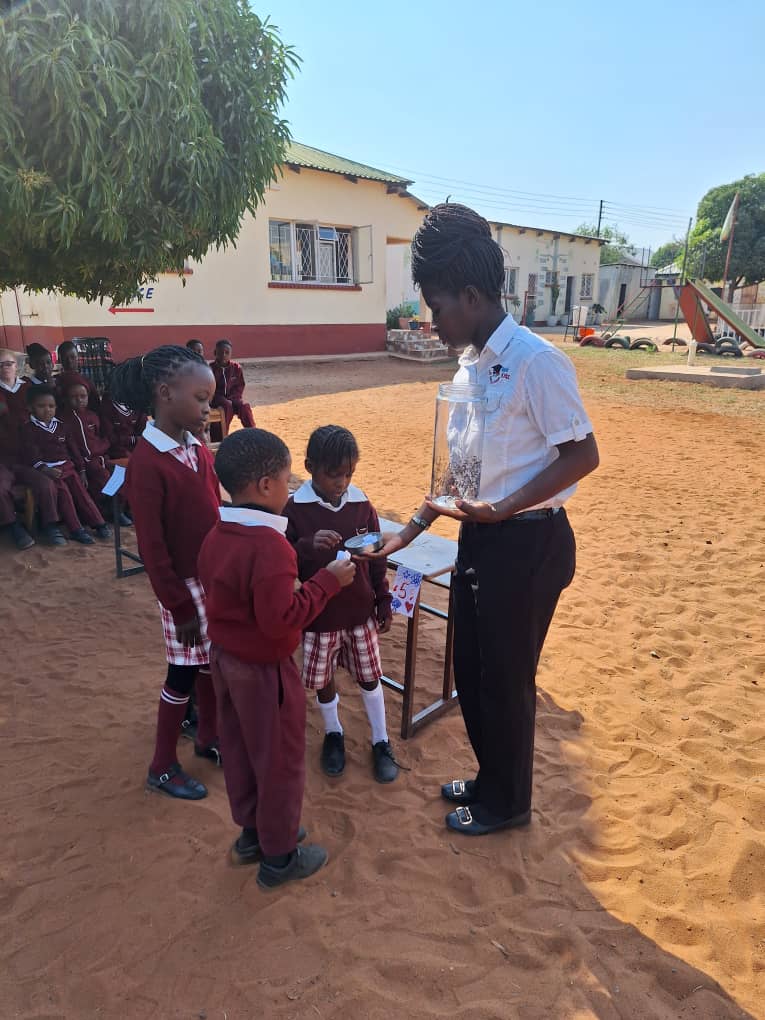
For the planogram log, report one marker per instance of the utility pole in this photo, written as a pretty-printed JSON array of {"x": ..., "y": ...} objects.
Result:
[{"x": 600, "y": 217}]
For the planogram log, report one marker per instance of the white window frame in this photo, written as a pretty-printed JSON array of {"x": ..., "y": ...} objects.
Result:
[
  {"x": 322, "y": 235},
  {"x": 586, "y": 286},
  {"x": 510, "y": 272}
]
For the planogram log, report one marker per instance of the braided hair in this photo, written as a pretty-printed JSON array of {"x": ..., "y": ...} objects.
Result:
[
  {"x": 134, "y": 382},
  {"x": 331, "y": 447},
  {"x": 248, "y": 455},
  {"x": 454, "y": 249}
]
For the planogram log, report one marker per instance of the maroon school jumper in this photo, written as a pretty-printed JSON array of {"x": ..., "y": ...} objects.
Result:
[
  {"x": 229, "y": 391},
  {"x": 13, "y": 414},
  {"x": 256, "y": 612},
  {"x": 369, "y": 595},
  {"x": 91, "y": 447},
  {"x": 65, "y": 380},
  {"x": 173, "y": 509},
  {"x": 46, "y": 444},
  {"x": 121, "y": 427}
]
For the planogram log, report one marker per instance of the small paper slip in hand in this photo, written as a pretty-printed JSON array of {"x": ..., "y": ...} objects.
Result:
[
  {"x": 114, "y": 484},
  {"x": 405, "y": 591}
]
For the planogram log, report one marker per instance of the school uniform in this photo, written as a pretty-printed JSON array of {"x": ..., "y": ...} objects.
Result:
[
  {"x": 48, "y": 445},
  {"x": 174, "y": 496},
  {"x": 65, "y": 379},
  {"x": 229, "y": 392},
  {"x": 345, "y": 632},
  {"x": 121, "y": 426},
  {"x": 256, "y": 611},
  {"x": 510, "y": 575},
  {"x": 90, "y": 446},
  {"x": 12, "y": 470}
]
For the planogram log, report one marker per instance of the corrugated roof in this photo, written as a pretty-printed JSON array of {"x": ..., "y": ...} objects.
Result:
[
  {"x": 524, "y": 228},
  {"x": 316, "y": 159}
]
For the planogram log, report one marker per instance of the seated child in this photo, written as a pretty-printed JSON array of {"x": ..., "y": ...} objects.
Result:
[
  {"x": 69, "y": 364},
  {"x": 13, "y": 414},
  {"x": 229, "y": 386},
  {"x": 197, "y": 347},
  {"x": 121, "y": 426},
  {"x": 40, "y": 362},
  {"x": 256, "y": 609},
  {"x": 46, "y": 446},
  {"x": 322, "y": 514}
]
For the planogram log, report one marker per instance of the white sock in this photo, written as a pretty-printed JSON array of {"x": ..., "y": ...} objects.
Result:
[
  {"x": 374, "y": 703},
  {"x": 329, "y": 714}
]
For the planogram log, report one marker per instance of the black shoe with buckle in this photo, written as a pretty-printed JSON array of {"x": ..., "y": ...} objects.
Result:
[
  {"x": 384, "y": 765},
  {"x": 333, "y": 754},
  {"x": 211, "y": 752},
  {"x": 460, "y": 791},
  {"x": 186, "y": 789},
  {"x": 247, "y": 849},
  {"x": 477, "y": 820}
]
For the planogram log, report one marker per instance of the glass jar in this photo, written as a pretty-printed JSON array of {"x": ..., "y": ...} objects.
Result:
[{"x": 458, "y": 443}]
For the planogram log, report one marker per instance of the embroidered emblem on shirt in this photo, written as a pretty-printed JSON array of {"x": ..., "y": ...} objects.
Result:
[{"x": 498, "y": 373}]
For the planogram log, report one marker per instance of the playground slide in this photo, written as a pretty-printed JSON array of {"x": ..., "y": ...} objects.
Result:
[{"x": 697, "y": 320}]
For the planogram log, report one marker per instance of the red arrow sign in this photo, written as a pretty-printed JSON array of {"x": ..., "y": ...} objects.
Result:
[{"x": 113, "y": 310}]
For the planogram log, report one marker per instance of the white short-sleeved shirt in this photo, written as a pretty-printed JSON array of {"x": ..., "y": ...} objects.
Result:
[{"x": 532, "y": 406}]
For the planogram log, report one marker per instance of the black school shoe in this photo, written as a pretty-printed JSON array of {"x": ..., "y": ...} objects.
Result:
[
  {"x": 211, "y": 752},
  {"x": 460, "y": 791},
  {"x": 186, "y": 789},
  {"x": 103, "y": 531},
  {"x": 304, "y": 862},
  {"x": 54, "y": 535},
  {"x": 384, "y": 765},
  {"x": 479, "y": 821},
  {"x": 21, "y": 537},
  {"x": 82, "y": 536},
  {"x": 333, "y": 754},
  {"x": 247, "y": 850}
]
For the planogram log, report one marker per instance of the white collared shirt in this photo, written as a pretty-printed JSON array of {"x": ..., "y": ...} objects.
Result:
[
  {"x": 532, "y": 406},
  {"x": 160, "y": 440},
  {"x": 307, "y": 494},
  {"x": 252, "y": 518},
  {"x": 11, "y": 389}
]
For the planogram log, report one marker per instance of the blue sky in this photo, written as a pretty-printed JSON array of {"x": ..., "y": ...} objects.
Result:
[{"x": 520, "y": 103}]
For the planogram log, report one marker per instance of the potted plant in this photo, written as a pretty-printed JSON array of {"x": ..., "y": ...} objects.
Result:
[
  {"x": 598, "y": 311},
  {"x": 554, "y": 295}
]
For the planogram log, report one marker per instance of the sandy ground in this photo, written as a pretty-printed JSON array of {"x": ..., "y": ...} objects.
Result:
[{"x": 638, "y": 892}]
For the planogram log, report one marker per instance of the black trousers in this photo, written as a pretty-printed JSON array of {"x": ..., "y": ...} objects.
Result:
[{"x": 508, "y": 581}]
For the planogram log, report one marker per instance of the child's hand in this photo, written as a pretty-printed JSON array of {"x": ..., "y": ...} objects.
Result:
[
  {"x": 384, "y": 619},
  {"x": 344, "y": 571},
  {"x": 52, "y": 472},
  {"x": 189, "y": 634},
  {"x": 326, "y": 540}
]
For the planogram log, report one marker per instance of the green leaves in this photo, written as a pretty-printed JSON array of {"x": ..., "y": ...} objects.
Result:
[
  {"x": 132, "y": 136},
  {"x": 748, "y": 249}
]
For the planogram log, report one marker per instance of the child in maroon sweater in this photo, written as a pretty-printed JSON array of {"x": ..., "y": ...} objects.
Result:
[
  {"x": 256, "y": 610},
  {"x": 174, "y": 497},
  {"x": 69, "y": 363},
  {"x": 46, "y": 446},
  {"x": 84, "y": 428},
  {"x": 121, "y": 426},
  {"x": 324, "y": 513},
  {"x": 229, "y": 386}
]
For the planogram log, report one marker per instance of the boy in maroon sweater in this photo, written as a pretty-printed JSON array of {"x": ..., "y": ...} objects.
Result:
[
  {"x": 324, "y": 513},
  {"x": 121, "y": 426},
  {"x": 84, "y": 429},
  {"x": 45, "y": 446},
  {"x": 229, "y": 386},
  {"x": 256, "y": 609},
  {"x": 69, "y": 363}
]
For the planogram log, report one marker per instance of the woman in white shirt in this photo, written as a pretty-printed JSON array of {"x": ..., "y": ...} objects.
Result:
[{"x": 516, "y": 551}]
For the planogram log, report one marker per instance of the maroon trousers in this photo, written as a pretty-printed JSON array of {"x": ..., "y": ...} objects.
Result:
[
  {"x": 240, "y": 408},
  {"x": 261, "y": 726},
  {"x": 75, "y": 507},
  {"x": 43, "y": 490}
]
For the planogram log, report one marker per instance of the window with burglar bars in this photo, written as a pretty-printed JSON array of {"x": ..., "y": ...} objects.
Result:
[
  {"x": 532, "y": 287},
  {"x": 310, "y": 253},
  {"x": 585, "y": 291}
]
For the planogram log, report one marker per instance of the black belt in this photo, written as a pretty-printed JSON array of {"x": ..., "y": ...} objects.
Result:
[{"x": 533, "y": 515}]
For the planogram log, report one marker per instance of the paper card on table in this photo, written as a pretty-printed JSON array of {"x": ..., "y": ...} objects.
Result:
[
  {"x": 114, "y": 484},
  {"x": 405, "y": 590}
]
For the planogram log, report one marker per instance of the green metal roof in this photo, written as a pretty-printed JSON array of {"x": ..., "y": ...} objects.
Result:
[{"x": 315, "y": 159}]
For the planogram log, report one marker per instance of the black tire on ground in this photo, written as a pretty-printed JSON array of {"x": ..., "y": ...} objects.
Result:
[
  {"x": 729, "y": 348},
  {"x": 706, "y": 349},
  {"x": 643, "y": 344},
  {"x": 618, "y": 341}
]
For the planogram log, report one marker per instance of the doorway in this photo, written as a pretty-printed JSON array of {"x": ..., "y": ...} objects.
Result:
[
  {"x": 622, "y": 300},
  {"x": 569, "y": 294}
]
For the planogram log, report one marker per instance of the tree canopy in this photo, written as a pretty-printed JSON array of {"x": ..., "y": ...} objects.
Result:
[
  {"x": 618, "y": 243},
  {"x": 132, "y": 135},
  {"x": 747, "y": 263},
  {"x": 667, "y": 253}
]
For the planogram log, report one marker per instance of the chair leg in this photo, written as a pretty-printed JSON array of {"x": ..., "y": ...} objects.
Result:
[{"x": 29, "y": 510}]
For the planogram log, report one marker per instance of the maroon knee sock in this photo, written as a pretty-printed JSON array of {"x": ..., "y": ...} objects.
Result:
[
  {"x": 207, "y": 726},
  {"x": 172, "y": 709}
]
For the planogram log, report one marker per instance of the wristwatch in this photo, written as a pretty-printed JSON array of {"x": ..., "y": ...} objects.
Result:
[{"x": 419, "y": 522}]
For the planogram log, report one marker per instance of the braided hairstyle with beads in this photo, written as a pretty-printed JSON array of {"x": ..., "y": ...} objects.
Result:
[
  {"x": 454, "y": 249},
  {"x": 134, "y": 382}
]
